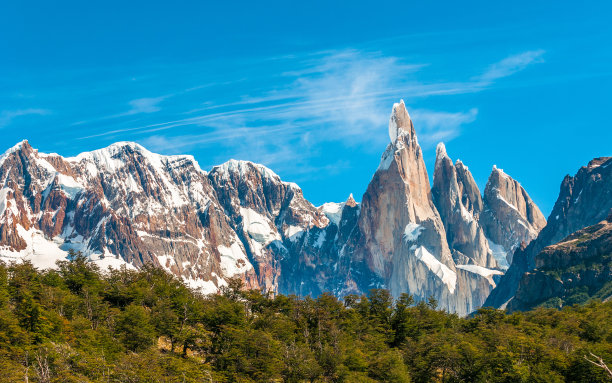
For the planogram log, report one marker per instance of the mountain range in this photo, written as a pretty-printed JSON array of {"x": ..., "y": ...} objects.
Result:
[{"x": 123, "y": 205}]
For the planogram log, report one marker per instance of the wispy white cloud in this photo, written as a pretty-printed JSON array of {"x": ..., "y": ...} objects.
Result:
[
  {"x": 7, "y": 116},
  {"x": 344, "y": 90},
  {"x": 436, "y": 126},
  {"x": 511, "y": 65},
  {"x": 342, "y": 97},
  {"x": 137, "y": 106},
  {"x": 145, "y": 105}
]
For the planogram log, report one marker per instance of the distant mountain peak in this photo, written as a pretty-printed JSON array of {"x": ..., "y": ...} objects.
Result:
[
  {"x": 595, "y": 162},
  {"x": 23, "y": 144},
  {"x": 441, "y": 151},
  {"x": 459, "y": 203},
  {"x": 242, "y": 168},
  {"x": 350, "y": 201},
  {"x": 400, "y": 122}
]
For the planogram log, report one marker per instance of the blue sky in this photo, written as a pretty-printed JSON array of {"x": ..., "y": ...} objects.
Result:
[{"x": 307, "y": 88}]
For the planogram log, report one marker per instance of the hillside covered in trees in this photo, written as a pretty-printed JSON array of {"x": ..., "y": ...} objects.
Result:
[{"x": 78, "y": 324}]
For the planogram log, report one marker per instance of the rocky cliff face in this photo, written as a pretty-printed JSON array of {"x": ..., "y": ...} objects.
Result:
[
  {"x": 584, "y": 200},
  {"x": 458, "y": 200},
  {"x": 510, "y": 217},
  {"x": 571, "y": 271},
  {"x": 405, "y": 239},
  {"x": 268, "y": 215},
  {"x": 322, "y": 259},
  {"x": 125, "y": 205},
  {"x": 121, "y": 204}
]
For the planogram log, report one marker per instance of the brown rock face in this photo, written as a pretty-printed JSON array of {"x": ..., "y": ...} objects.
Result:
[
  {"x": 510, "y": 217},
  {"x": 458, "y": 200},
  {"x": 397, "y": 207},
  {"x": 403, "y": 238},
  {"x": 584, "y": 200},
  {"x": 271, "y": 217},
  {"x": 9, "y": 237}
]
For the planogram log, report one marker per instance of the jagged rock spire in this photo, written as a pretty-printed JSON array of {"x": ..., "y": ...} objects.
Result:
[
  {"x": 400, "y": 122},
  {"x": 510, "y": 217},
  {"x": 350, "y": 201},
  {"x": 458, "y": 201},
  {"x": 403, "y": 237}
]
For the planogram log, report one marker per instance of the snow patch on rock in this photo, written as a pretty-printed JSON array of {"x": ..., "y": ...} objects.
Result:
[
  {"x": 466, "y": 214},
  {"x": 233, "y": 259},
  {"x": 320, "y": 239},
  {"x": 257, "y": 226},
  {"x": 205, "y": 287},
  {"x": 166, "y": 261},
  {"x": 483, "y": 271},
  {"x": 412, "y": 231},
  {"x": 333, "y": 211},
  {"x": 499, "y": 253},
  {"x": 446, "y": 275},
  {"x": 12, "y": 150},
  {"x": 293, "y": 233},
  {"x": 242, "y": 168},
  {"x": 3, "y": 201},
  {"x": 44, "y": 252},
  {"x": 387, "y": 158},
  {"x": 506, "y": 202},
  {"x": 69, "y": 186}
]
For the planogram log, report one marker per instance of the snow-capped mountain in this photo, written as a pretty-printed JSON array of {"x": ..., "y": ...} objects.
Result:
[
  {"x": 125, "y": 205},
  {"x": 402, "y": 235}
]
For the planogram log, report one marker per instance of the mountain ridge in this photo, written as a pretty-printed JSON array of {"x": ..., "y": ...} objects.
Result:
[
  {"x": 584, "y": 200},
  {"x": 125, "y": 204}
]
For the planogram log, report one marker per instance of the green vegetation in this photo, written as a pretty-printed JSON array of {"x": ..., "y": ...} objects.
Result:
[
  {"x": 583, "y": 280},
  {"x": 76, "y": 324}
]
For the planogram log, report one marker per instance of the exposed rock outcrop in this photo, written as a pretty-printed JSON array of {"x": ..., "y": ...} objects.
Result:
[
  {"x": 584, "y": 200},
  {"x": 510, "y": 217},
  {"x": 120, "y": 204},
  {"x": 400, "y": 226},
  {"x": 459, "y": 203},
  {"x": 403, "y": 237},
  {"x": 571, "y": 271}
]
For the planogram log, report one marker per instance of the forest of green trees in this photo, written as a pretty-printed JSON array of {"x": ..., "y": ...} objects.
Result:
[{"x": 78, "y": 324}]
